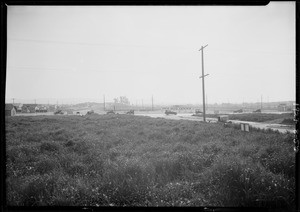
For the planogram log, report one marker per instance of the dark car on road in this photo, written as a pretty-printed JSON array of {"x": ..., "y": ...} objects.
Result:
[
  {"x": 238, "y": 111},
  {"x": 168, "y": 112},
  {"x": 131, "y": 112},
  {"x": 90, "y": 112},
  {"x": 110, "y": 112},
  {"x": 58, "y": 112}
]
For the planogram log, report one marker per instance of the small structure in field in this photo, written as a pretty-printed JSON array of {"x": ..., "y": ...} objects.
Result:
[
  {"x": 10, "y": 110},
  {"x": 223, "y": 118},
  {"x": 245, "y": 127}
]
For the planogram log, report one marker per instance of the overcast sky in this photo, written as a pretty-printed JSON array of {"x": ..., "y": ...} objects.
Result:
[{"x": 81, "y": 53}]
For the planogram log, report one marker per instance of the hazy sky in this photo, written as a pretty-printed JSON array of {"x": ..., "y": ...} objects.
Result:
[{"x": 83, "y": 52}]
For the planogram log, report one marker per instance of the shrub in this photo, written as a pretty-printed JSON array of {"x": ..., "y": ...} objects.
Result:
[
  {"x": 37, "y": 190},
  {"x": 49, "y": 146},
  {"x": 76, "y": 168},
  {"x": 234, "y": 183},
  {"x": 45, "y": 166},
  {"x": 81, "y": 147}
]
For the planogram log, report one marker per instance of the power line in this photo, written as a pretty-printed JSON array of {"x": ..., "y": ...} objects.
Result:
[{"x": 95, "y": 44}]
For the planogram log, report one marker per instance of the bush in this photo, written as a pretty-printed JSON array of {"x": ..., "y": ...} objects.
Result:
[
  {"x": 45, "y": 166},
  {"x": 37, "y": 190},
  {"x": 49, "y": 146},
  {"x": 234, "y": 183}
]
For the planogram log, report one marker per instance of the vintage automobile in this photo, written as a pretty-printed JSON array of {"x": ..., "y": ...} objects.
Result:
[
  {"x": 168, "y": 112},
  {"x": 110, "y": 112},
  {"x": 257, "y": 111},
  {"x": 58, "y": 112},
  {"x": 131, "y": 112},
  {"x": 238, "y": 111},
  {"x": 198, "y": 112},
  {"x": 90, "y": 112}
]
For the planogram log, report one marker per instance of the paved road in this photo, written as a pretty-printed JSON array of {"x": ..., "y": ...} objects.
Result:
[
  {"x": 188, "y": 116},
  {"x": 280, "y": 127}
]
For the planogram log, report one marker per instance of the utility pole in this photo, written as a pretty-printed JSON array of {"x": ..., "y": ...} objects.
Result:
[
  {"x": 13, "y": 100},
  {"x": 203, "y": 95},
  {"x": 152, "y": 102},
  {"x": 260, "y": 102},
  {"x": 104, "y": 102}
]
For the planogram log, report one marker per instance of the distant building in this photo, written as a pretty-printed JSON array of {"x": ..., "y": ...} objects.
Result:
[
  {"x": 18, "y": 107},
  {"x": 29, "y": 108},
  {"x": 282, "y": 107},
  {"x": 51, "y": 108},
  {"x": 10, "y": 110}
]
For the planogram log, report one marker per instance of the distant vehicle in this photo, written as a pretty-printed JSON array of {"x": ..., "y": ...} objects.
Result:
[
  {"x": 131, "y": 112},
  {"x": 238, "y": 111},
  {"x": 58, "y": 112},
  {"x": 257, "y": 111},
  {"x": 90, "y": 112},
  {"x": 198, "y": 111},
  {"x": 223, "y": 118},
  {"x": 168, "y": 112},
  {"x": 110, "y": 112}
]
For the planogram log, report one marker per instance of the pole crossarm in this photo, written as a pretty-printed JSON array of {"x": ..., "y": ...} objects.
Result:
[
  {"x": 203, "y": 47},
  {"x": 203, "y": 76}
]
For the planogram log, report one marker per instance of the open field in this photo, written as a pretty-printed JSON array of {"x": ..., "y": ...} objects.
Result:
[{"x": 123, "y": 160}]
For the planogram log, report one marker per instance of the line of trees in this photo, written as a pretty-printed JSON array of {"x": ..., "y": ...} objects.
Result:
[{"x": 122, "y": 100}]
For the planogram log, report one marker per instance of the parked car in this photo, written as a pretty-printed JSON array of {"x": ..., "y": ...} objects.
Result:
[
  {"x": 257, "y": 111},
  {"x": 90, "y": 112},
  {"x": 168, "y": 112},
  {"x": 238, "y": 111},
  {"x": 58, "y": 112},
  {"x": 131, "y": 112},
  {"x": 110, "y": 112},
  {"x": 223, "y": 118},
  {"x": 198, "y": 111}
]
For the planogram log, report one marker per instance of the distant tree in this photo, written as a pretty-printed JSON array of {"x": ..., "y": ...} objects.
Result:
[
  {"x": 124, "y": 100},
  {"x": 116, "y": 100}
]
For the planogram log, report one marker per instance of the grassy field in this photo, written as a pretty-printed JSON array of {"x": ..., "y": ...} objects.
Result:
[
  {"x": 123, "y": 160},
  {"x": 285, "y": 118}
]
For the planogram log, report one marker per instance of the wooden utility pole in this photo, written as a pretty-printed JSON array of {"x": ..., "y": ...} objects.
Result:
[
  {"x": 203, "y": 95},
  {"x": 13, "y": 100},
  {"x": 261, "y": 102},
  {"x": 152, "y": 102},
  {"x": 104, "y": 102}
]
